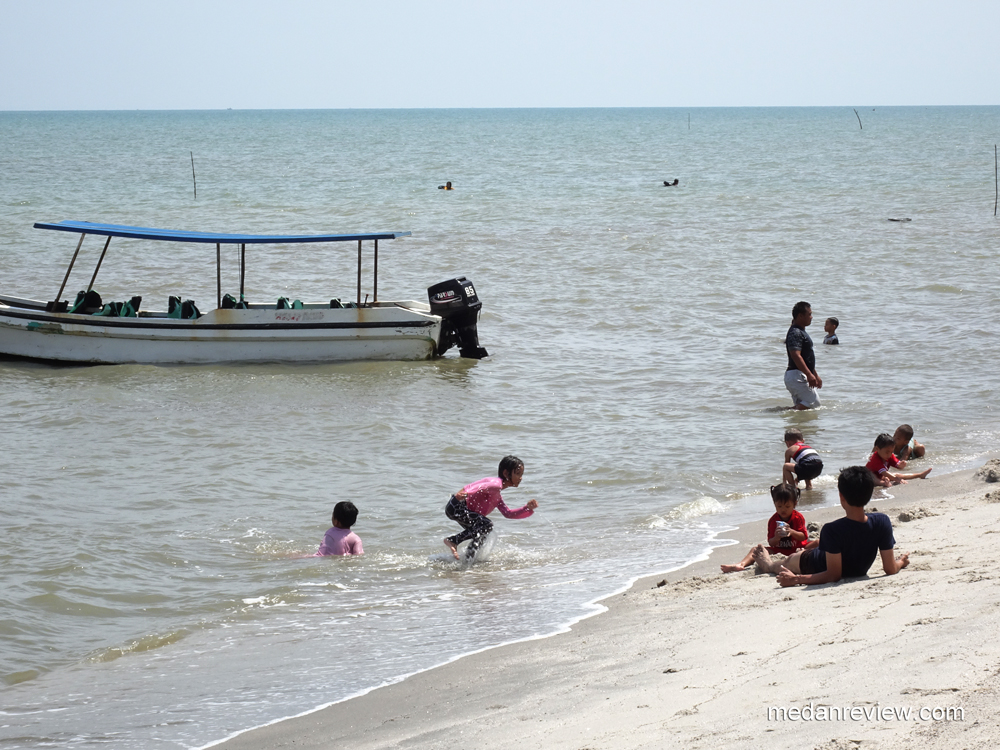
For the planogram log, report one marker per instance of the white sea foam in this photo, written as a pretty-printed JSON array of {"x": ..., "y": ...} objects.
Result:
[{"x": 702, "y": 506}]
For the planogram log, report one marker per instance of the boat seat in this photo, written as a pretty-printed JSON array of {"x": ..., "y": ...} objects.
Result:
[
  {"x": 127, "y": 309},
  {"x": 130, "y": 309},
  {"x": 335, "y": 304},
  {"x": 185, "y": 310},
  {"x": 283, "y": 303},
  {"x": 229, "y": 302},
  {"x": 87, "y": 302}
]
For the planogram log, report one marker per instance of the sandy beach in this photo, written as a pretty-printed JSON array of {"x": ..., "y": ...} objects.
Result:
[{"x": 707, "y": 660}]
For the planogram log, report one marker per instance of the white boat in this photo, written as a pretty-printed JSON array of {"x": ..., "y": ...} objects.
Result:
[{"x": 91, "y": 331}]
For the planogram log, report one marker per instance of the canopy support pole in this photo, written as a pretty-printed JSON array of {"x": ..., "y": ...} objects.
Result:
[
  {"x": 375, "y": 283},
  {"x": 218, "y": 276},
  {"x": 359, "y": 273},
  {"x": 100, "y": 260},
  {"x": 243, "y": 267},
  {"x": 66, "y": 278}
]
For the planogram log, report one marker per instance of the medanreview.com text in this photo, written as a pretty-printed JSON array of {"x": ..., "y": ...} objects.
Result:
[{"x": 876, "y": 712}]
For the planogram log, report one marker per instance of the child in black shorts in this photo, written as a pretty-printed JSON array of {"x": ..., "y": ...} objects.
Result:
[{"x": 802, "y": 463}]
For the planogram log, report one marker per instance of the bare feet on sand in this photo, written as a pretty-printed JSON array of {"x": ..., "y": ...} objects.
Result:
[
  {"x": 902, "y": 478},
  {"x": 732, "y": 568},
  {"x": 763, "y": 559},
  {"x": 452, "y": 546}
]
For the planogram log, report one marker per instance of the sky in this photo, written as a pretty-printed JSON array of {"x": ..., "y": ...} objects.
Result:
[{"x": 340, "y": 54}]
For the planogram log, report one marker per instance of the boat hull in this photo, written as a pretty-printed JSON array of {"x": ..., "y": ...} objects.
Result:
[{"x": 313, "y": 334}]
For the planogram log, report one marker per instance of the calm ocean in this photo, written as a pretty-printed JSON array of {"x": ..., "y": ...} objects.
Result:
[{"x": 152, "y": 589}]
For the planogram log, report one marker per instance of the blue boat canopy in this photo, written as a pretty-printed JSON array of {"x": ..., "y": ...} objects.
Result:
[{"x": 145, "y": 233}]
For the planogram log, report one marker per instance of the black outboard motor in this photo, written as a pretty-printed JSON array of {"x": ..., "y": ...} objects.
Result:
[{"x": 456, "y": 301}]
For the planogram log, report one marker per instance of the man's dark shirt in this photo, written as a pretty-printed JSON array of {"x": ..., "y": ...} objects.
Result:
[
  {"x": 798, "y": 340},
  {"x": 857, "y": 542}
]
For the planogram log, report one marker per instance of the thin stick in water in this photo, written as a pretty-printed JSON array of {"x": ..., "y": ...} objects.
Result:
[
  {"x": 193, "y": 178},
  {"x": 996, "y": 183},
  {"x": 859, "y": 119}
]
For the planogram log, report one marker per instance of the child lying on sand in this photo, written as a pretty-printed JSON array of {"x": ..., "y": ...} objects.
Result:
[{"x": 906, "y": 447}]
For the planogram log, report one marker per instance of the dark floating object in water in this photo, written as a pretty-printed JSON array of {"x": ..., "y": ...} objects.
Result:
[
  {"x": 446, "y": 186},
  {"x": 900, "y": 219},
  {"x": 667, "y": 183}
]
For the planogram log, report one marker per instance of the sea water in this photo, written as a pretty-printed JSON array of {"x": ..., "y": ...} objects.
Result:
[{"x": 156, "y": 591}]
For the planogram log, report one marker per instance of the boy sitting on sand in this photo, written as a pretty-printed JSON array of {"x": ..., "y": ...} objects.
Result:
[
  {"x": 882, "y": 458},
  {"x": 847, "y": 546},
  {"x": 905, "y": 446},
  {"x": 786, "y": 529}
]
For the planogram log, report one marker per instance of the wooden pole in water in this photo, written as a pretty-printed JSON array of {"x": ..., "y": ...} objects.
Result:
[
  {"x": 859, "y": 119},
  {"x": 193, "y": 178}
]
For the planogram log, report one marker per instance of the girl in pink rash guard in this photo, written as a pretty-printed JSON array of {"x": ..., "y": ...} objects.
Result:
[
  {"x": 340, "y": 540},
  {"x": 471, "y": 504}
]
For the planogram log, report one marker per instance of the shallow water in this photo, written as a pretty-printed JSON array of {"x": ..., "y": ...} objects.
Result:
[{"x": 155, "y": 592}]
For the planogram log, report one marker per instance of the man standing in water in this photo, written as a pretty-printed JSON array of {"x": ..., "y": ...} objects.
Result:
[{"x": 801, "y": 379}]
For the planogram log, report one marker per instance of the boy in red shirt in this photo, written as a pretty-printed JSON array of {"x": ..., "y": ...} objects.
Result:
[
  {"x": 788, "y": 537},
  {"x": 883, "y": 458}
]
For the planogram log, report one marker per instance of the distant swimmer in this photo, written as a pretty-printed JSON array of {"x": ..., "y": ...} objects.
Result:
[
  {"x": 670, "y": 184},
  {"x": 446, "y": 186}
]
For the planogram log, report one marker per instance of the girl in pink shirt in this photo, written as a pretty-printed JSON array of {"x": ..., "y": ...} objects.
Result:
[
  {"x": 340, "y": 540},
  {"x": 471, "y": 504}
]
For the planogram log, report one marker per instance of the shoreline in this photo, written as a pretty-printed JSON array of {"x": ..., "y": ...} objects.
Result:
[{"x": 470, "y": 696}]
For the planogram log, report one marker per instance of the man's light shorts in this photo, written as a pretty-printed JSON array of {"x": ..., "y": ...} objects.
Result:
[{"x": 798, "y": 385}]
